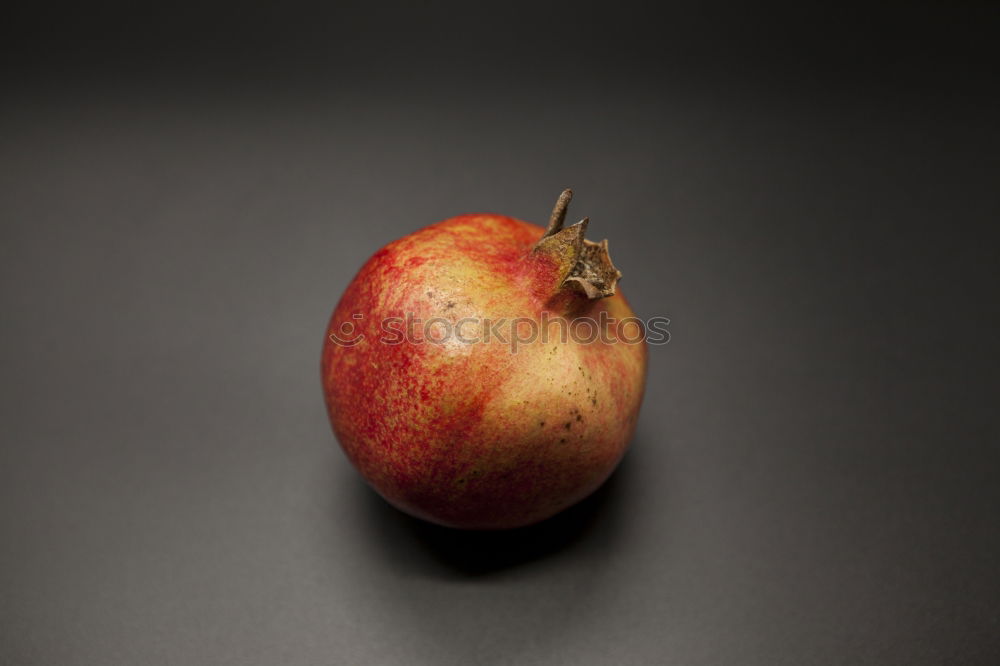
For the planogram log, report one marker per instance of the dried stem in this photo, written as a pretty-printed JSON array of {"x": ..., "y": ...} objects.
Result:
[{"x": 558, "y": 213}]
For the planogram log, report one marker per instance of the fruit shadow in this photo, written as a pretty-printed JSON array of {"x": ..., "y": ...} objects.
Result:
[{"x": 585, "y": 528}]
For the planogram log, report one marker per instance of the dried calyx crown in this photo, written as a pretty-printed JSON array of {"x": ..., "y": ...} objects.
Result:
[{"x": 585, "y": 265}]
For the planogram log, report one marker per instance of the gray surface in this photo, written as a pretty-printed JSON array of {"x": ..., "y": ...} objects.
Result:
[{"x": 814, "y": 479}]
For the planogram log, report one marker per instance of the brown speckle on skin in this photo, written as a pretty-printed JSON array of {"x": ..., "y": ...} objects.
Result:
[
  {"x": 568, "y": 425},
  {"x": 541, "y": 424},
  {"x": 579, "y": 417},
  {"x": 562, "y": 440}
]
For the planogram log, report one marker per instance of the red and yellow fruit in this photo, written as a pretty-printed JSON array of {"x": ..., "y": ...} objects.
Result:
[{"x": 458, "y": 425}]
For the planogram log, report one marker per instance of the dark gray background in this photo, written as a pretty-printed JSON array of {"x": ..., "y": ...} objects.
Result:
[{"x": 811, "y": 195}]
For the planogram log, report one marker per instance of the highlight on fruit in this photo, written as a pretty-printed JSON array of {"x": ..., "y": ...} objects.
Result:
[{"x": 485, "y": 372}]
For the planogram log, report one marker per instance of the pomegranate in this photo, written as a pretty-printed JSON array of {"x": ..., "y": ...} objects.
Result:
[{"x": 483, "y": 372}]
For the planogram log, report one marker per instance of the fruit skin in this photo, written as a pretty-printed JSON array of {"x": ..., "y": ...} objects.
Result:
[{"x": 473, "y": 435}]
